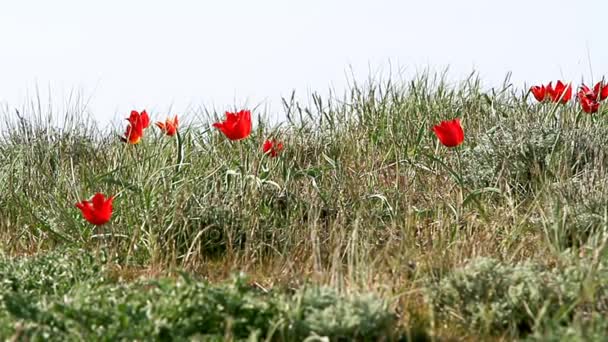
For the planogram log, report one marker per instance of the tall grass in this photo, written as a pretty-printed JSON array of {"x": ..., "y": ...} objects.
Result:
[{"x": 363, "y": 197}]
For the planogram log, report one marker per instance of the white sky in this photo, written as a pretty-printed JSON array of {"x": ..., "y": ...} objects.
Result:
[{"x": 157, "y": 54}]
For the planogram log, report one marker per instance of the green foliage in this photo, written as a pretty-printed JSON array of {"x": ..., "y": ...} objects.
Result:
[
  {"x": 324, "y": 312},
  {"x": 583, "y": 329},
  {"x": 65, "y": 297},
  {"x": 521, "y": 154},
  {"x": 494, "y": 297}
]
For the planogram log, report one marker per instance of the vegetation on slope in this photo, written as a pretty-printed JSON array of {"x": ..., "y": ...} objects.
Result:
[{"x": 504, "y": 235}]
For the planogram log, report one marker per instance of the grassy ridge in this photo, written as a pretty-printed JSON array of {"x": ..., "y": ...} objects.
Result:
[{"x": 363, "y": 197}]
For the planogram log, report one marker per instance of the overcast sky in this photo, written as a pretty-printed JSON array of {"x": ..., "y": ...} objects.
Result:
[{"x": 157, "y": 54}]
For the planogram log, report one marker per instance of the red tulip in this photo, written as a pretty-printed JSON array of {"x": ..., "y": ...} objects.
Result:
[
  {"x": 272, "y": 147},
  {"x": 589, "y": 106},
  {"x": 587, "y": 92},
  {"x": 135, "y": 128},
  {"x": 540, "y": 92},
  {"x": 237, "y": 126},
  {"x": 561, "y": 92},
  {"x": 589, "y": 99},
  {"x": 601, "y": 90},
  {"x": 450, "y": 133},
  {"x": 142, "y": 118},
  {"x": 98, "y": 210},
  {"x": 169, "y": 126}
]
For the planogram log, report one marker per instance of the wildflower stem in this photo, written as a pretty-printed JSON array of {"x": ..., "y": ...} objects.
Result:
[{"x": 460, "y": 180}]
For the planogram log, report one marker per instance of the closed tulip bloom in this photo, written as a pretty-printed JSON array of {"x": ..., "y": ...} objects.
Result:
[
  {"x": 169, "y": 127},
  {"x": 272, "y": 147},
  {"x": 449, "y": 133},
  {"x": 236, "y": 126},
  {"x": 98, "y": 210}
]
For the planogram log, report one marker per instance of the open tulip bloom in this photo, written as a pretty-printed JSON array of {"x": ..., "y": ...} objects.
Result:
[
  {"x": 236, "y": 126},
  {"x": 601, "y": 91},
  {"x": 449, "y": 133},
  {"x": 272, "y": 147},
  {"x": 590, "y": 98},
  {"x": 169, "y": 127},
  {"x": 135, "y": 129},
  {"x": 589, "y": 106},
  {"x": 561, "y": 93},
  {"x": 98, "y": 210},
  {"x": 598, "y": 93}
]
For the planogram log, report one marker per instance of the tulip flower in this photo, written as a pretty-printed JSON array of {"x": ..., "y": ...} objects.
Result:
[
  {"x": 589, "y": 99},
  {"x": 588, "y": 105},
  {"x": 449, "y": 133},
  {"x": 169, "y": 127},
  {"x": 539, "y": 92},
  {"x": 98, "y": 210},
  {"x": 135, "y": 129},
  {"x": 586, "y": 92},
  {"x": 237, "y": 126},
  {"x": 561, "y": 92},
  {"x": 601, "y": 90},
  {"x": 272, "y": 147}
]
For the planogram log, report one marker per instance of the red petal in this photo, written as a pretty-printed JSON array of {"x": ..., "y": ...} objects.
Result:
[
  {"x": 134, "y": 117},
  {"x": 231, "y": 117},
  {"x": 98, "y": 200},
  {"x": 567, "y": 95},
  {"x": 267, "y": 146},
  {"x": 145, "y": 119},
  {"x": 596, "y": 88},
  {"x": 603, "y": 93}
]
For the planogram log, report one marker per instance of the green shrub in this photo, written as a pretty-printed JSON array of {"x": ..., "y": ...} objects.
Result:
[
  {"x": 492, "y": 297},
  {"x": 583, "y": 329},
  {"x": 65, "y": 296},
  {"x": 520, "y": 154},
  {"x": 325, "y": 312}
]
